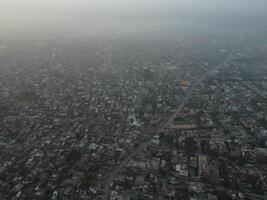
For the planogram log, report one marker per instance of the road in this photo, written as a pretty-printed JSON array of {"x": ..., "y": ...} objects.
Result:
[{"x": 187, "y": 96}]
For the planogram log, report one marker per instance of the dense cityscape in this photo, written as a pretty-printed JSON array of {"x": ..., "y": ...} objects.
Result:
[
  {"x": 137, "y": 121},
  {"x": 175, "y": 109}
]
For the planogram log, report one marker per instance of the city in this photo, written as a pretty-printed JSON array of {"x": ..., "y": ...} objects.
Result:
[{"x": 122, "y": 118}]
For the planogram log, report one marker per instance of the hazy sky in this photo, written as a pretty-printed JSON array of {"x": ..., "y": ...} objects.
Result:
[
  {"x": 40, "y": 16},
  {"x": 193, "y": 4}
]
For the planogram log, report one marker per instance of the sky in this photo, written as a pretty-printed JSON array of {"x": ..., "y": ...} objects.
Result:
[
  {"x": 18, "y": 17},
  {"x": 245, "y": 5}
]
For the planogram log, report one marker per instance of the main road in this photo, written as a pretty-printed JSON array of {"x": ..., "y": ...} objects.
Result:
[{"x": 187, "y": 96}]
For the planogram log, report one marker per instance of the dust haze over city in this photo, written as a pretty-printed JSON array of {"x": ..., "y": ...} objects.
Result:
[
  {"x": 133, "y": 100},
  {"x": 81, "y": 18}
]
